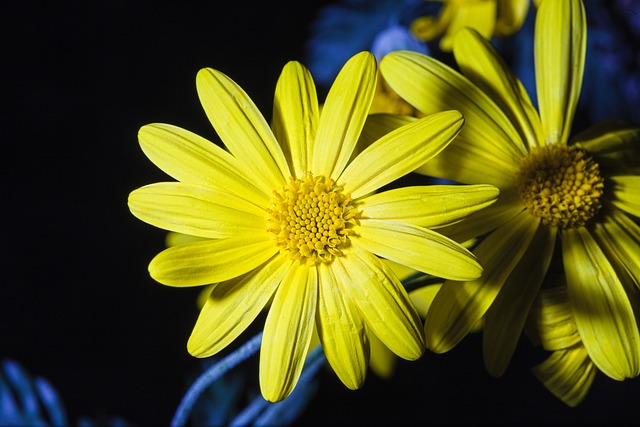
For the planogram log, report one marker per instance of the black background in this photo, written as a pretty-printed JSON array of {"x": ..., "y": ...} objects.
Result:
[{"x": 77, "y": 305}]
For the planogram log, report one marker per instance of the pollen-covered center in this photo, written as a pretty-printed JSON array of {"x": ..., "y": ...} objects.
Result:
[
  {"x": 311, "y": 219},
  {"x": 561, "y": 185}
]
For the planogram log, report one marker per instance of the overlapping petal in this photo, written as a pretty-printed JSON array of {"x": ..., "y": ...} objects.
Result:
[
  {"x": 619, "y": 237},
  {"x": 190, "y": 158},
  {"x": 387, "y": 159},
  {"x": 243, "y": 129},
  {"x": 199, "y": 211},
  {"x": 232, "y": 306},
  {"x": 418, "y": 248},
  {"x": 614, "y": 145},
  {"x": 626, "y": 192},
  {"x": 382, "y": 302},
  {"x": 560, "y": 46},
  {"x": 287, "y": 332},
  {"x": 601, "y": 306},
  {"x": 480, "y": 15},
  {"x": 460, "y": 305},
  {"x": 512, "y": 16},
  {"x": 341, "y": 329},
  {"x": 211, "y": 261},
  {"x": 295, "y": 116},
  {"x": 554, "y": 318},
  {"x": 428, "y": 206},
  {"x": 343, "y": 115}
]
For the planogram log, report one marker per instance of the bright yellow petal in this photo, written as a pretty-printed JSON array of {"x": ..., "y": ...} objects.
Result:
[
  {"x": 378, "y": 125},
  {"x": 418, "y": 248},
  {"x": 459, "y": 306},
  {"x": 399, "y": 152},
  {"x": 601, "y": 306},
  {"x": 568, "y": 374},
  {"x": 287, "y": 332},
  {"x": 505, "y": 319},
  {"x": 199, "y": 211},
  {"x": 211, "y": 261},
  {"x": 479, "y": 61},
  {"x": 619, "y": 237},
  {"x": 190, "y": 158},
  {"x": 233, "y": 305},
  {"x": 428, "y": 206},
  {"x": 431, "y": 86},
  {"x": 343, "y": 115},
  {"x": 626, "y": 193},
  {"x": 382, "y": 301},
  {"x": 295, "y": 116},
  {"x": 614, "y": 145},
  {"x": 554, "y": 318},
  {"x": 243, "y": 129},
  {"x": 479, "y": 15},
  {"x": 511, "y": 16},
  {"x": 560, "y": 46},
  {"x": 342, "y": 330},
  {"x": 423, "y": 297}
]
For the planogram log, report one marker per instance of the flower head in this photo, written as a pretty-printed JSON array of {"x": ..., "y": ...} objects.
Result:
[
  {"x": 291, "y": 222},
  {"x": 579, "y": 193}
]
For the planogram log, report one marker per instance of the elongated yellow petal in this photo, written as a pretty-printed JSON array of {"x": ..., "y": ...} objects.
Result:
[
  {"x": 382, "y": 301},
  {"x": 242, "y": 128},
  {"x": 190, "y": 158},
  {"x": 480, "y": 63},
  {"x": 428, "y": 206},
  {"x": 568, "y": 374},
  {"x": 614, "y": 145},
  {"x": 295, "y": 116},
  {"x": 233, "y": 305},
  {"x": 343, "y": 115},
  {"x": 479, "y": 15},
  {"x": 626, "y": 192},
  {"x": 287, "y": 332},
  {"x": 601, "y": 306},
  {"x": 378, "y": 125},
  {"x": 505, "y": 319},
  {"x": 342, "y": 330},
  {"x": 418, "y": 248},
  {"x": 199, "y": 211},
  {"x": 459, "y": 306},
  {"x": 431, "y": 86},
  {"x": 554, "y": 318},
  {"x": 560, "y": 46},
  {"x": 211, "y": 261},
  {"x": 400, "y": 152}
]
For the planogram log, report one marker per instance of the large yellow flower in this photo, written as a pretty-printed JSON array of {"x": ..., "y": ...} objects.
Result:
[
  {"x": 488, "y": 17},
  {"x": 582, "y": 191},
  {"x": 291, "y": 222}
]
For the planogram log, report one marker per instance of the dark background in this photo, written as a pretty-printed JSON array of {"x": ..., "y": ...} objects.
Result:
[{"x": 77, "y": 305}]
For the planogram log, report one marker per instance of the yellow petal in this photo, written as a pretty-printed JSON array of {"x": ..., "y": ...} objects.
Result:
[
  {"x": 211, "y": 261},
  {"x": 382, "y": 301},
  {"x": 399, "y": 152},
  {"x": 626, "y": 192},
  {"x": 190, "y": 158},
  {"x": 382, "y": 360},
  {"x": 243, "y": 129},
  {"x": 194, "y": 210},
  {"x": 287, "y": 332},
  {"x": 479, "y": 15},
  {"x": 568, "y": 374},
  {"x": 479, "y": 61},
  {"x": 505, "y": 319},
  {"x": 560, "y": 45},
  {"x": 601, "y": 306},
  {"x": 512, "y": 15},
  {"x": 459, "y": 306},
  {"x": 343, "y": 115},
  {"x": 233, "y": 305},
  {"x": 423, "y": 297},
  {"x": 428, "y": 206},
  {"x": 431, "y": 86},
  {"x": 614, "y": 145},
  {"x": 378, "y": 125},
  {"x": 295, "y": 116},
  {"x": 554, "y": 319},
  {"x": 418, "y": 248},
  {"x": 619, "y": 237},
  {"x": 342, "y": 330}
]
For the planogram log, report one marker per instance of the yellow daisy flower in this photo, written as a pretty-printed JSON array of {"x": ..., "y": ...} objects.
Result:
[
  {"x": 488, "y": 17},
  {"x": 291, "y": 221},
  {"x": 582, "y": 191},
  {"x": 569, "y": 372}
]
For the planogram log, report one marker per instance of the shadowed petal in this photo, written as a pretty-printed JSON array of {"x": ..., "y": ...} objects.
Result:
[{"x": 626, "y": 192}]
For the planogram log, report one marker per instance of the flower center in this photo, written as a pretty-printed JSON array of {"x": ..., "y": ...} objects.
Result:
[
  {"x": 311, "y": 219},
  {"x": 561, "y": 185}
]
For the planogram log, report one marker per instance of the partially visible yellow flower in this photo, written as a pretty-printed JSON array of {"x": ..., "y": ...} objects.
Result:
[
  {"x": 579, "y": 195},
  {"x": 569, "y": 372},
  {"x": 292, "y": 221},
  {"x": 488, "y": 17}
]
